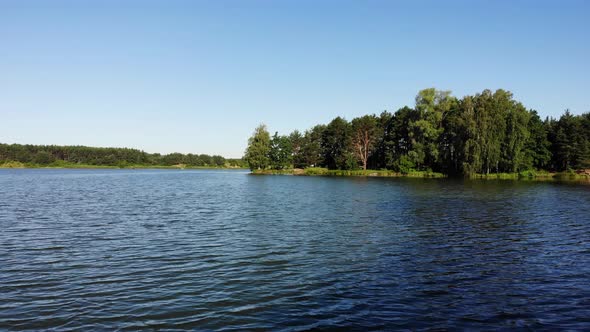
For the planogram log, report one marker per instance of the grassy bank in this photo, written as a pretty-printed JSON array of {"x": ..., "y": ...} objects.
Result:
[
  {"x": 528, "y": 175},
  {"x": 317, "y": 171},
  {"x": 533, "y": 175},
  {"x": 16, "y": 164}
]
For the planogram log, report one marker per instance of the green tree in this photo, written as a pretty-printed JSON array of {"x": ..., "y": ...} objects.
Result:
[
  {"x": 469, "y": 127},
  {"x": 452, "y": 141},
  {"x": 385, "y": 143},
  {"x": 399, "y": 140},
  {"x": 311, "y": 148},
  {"x": 281, "y": 151},
  {"x": 536, "y": 149},
  {"x": 517, "y": 134},
  {"x": 570, "y": 145},
  {"x": 426, "y": 126},
  {"x": 297, "y": 142},
  {"x": 336, "y": 143},
  {"x": 257, "y": 152},
  {"x": 43, "y": 158},
  {"x": 485, "y": 117}
]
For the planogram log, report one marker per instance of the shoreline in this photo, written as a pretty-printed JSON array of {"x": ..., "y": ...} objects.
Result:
[
  {"x": 527, "y": 176},
  {"x": 316, "y": 171},
  {"x": 84, "y": 166}
]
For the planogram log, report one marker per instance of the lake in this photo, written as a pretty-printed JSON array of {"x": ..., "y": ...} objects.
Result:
[{"x": 225, "y": 250}]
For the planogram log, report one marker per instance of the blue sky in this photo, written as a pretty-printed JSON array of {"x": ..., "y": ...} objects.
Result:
[{"x": 198, "y": 76}]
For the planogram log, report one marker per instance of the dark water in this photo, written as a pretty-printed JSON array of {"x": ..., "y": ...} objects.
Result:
[{"x": 223, "y": 250}]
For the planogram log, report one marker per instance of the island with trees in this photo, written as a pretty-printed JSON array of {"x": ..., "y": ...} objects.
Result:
[
  {"x": 18, "y": 156},
  {"x": 487, "y": 135}
]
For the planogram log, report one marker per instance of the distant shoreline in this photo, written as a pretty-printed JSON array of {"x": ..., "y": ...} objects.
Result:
[
  {"x": 85, "y": 166},
  {"x": 78, "y": 156}
]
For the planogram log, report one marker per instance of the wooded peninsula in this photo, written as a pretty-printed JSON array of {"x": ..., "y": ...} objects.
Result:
[{"x": 487, "y": 134}]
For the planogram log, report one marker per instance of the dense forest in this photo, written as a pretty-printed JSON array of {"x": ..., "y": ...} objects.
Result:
[
  {"x": 489, "y": 132},
  {"x": 53, "y": 155}
]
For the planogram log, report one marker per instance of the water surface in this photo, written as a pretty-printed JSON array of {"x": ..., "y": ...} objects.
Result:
[{"x": 224, "y": 250}]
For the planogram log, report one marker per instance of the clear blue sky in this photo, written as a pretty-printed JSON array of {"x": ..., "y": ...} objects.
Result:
[{"x": 198, "y": 76}]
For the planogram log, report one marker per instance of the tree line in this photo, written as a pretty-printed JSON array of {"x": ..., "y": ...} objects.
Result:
[
  {"x": 46, "y": 155},
  {"x": 488, "y": 132}
]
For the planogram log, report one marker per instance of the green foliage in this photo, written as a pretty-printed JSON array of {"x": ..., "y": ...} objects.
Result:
[
  {"x": 311, "y": 149},
  {"x": 487, "y": 133},
  {"x": 281, "y": 152},
  {"x": 83, "y": 156},
  {"x": 298, "y": 142},
  {"x": 43, "y": 158},
  {"x": 259, "y": 147},
  {"x": 404, "y": 165},
  {"x": 316, "y": 171},
  {"x": 365, "y": 132},
  {"x": 336, "y": 144},
  {"x": 322, "y": 171},
  {"x": 527, "y": 174},
  {"x": 12, "y": 164},
  {"x": 570, "y": 142},
  {"x": 426, "y": 126},
  {"x": 536, "y": 150},
  {"x": 351, "y": 162},
  {"x": 513, "y": 155}
]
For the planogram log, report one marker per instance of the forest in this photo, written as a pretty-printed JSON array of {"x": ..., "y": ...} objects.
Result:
[
  {"x": 485, "y": 133},
  {"x": 72, "y": 156}
]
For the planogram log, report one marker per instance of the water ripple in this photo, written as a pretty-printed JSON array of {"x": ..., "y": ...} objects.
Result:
[{"x": 217, "y": 250}]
